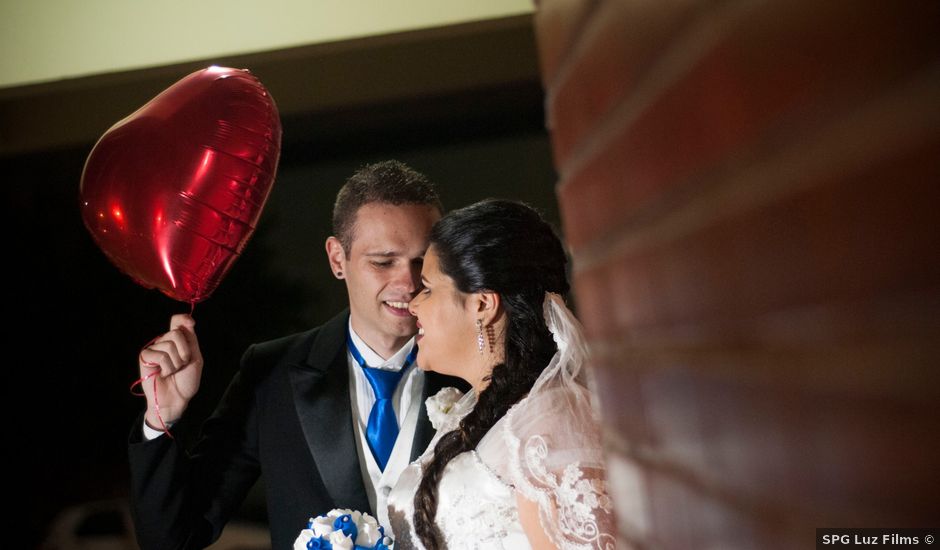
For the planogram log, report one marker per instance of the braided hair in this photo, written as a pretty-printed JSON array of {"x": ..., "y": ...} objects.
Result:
[{"x": 507, "y": 248}]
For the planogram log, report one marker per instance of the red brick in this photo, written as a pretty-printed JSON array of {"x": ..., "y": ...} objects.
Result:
[
  {"x": 557, "y": 23},
  {"x": 732, "y": 462},
  {"x": 778, "y": 74},
  {"x": 608, "y": 60},
  {"x": 814, "y": 454},
  {"x": 763, "y": 330},
  {"x": 857, "y": 234},
  {"x": 684, "y": 516},
  {"x": 618, "y": 393}
]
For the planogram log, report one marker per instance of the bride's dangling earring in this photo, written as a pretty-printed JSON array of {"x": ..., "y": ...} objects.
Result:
[{"x": 480, "y": 336}]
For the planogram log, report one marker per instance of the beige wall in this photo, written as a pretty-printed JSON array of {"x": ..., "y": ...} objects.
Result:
[{"x": 49, "y": 40}]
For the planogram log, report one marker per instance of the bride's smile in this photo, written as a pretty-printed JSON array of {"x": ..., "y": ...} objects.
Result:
[{"x": 448, "y": 330}]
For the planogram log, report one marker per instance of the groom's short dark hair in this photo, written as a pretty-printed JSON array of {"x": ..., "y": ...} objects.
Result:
[{"x": 387, "y": 182}]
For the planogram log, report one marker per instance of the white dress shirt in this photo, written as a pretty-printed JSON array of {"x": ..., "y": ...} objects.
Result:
[
  {"x": 407, "y": 398},
  {"x": 407, "y": 405}
]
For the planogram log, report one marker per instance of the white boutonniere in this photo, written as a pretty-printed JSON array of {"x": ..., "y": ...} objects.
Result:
[{"x": 441, "y": 406}]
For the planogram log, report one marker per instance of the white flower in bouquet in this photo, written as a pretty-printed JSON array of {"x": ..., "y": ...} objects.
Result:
[
  {"x": 369, "y": 532},
  {"x": 322, "y": 526},
  {"x": 341, "y": 541}
]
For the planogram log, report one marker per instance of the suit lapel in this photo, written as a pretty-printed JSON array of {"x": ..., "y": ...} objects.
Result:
[{"x": 320, "y": 385}]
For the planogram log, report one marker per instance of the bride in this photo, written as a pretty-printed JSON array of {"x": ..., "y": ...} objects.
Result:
[{"x": 517, "y": 461}]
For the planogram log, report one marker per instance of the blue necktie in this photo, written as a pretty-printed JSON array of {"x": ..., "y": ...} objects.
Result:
[{"x": 382, "y": 428}]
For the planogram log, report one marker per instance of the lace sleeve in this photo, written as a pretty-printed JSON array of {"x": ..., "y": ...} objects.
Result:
[
  {"x": 554, "y": 443},
  {"x": 555, "y": 460}
]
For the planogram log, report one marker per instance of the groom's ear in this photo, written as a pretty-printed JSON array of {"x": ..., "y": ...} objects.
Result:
[{"x": 336, "y": 256}]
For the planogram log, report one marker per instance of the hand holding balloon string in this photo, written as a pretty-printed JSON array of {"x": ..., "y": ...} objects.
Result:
[{"x": 174, "y": 362}]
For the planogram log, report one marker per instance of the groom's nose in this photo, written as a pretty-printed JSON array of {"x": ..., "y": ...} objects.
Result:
[{"x": 406, "y": 278}]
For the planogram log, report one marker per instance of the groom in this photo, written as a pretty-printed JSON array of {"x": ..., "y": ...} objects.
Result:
[{"x": 330, "y": 417}]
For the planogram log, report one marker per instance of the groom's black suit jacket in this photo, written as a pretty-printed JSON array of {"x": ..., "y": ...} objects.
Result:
[{"x": 286, "y": 415}]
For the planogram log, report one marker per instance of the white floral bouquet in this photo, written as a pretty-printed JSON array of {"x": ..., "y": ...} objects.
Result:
[{"x": 342, "y": 529}]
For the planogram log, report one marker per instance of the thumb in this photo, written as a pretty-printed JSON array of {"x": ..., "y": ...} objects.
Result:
[{"x": 182, "y": 320}]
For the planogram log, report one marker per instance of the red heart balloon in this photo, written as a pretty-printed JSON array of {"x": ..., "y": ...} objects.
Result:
[{"x": 172, "y": 193}]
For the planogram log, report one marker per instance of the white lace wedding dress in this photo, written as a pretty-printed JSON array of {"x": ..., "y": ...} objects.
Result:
[{"x": 546, "y": 448}]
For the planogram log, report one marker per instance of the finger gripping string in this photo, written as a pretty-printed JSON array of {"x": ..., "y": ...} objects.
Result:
[{"x": 140, "y": 382}]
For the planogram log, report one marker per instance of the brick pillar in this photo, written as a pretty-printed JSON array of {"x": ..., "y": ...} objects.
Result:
[{"x": 751, "y": 194}]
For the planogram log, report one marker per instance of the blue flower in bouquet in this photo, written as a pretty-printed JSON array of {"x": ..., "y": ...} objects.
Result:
[
  {"x": 343, "y": 530},
  {"x": 346, "y": 525}
]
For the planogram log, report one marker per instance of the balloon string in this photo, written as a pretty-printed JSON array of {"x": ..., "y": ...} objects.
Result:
[
  {"x": 152, "y": 365},
  {"x": 140, "y": 382}
]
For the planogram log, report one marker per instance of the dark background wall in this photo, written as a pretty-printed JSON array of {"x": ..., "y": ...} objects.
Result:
[{"x": 463, "y": 105}]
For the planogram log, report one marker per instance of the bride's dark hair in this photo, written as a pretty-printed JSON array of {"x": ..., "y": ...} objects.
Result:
[{"x": 504, "y": 247}]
